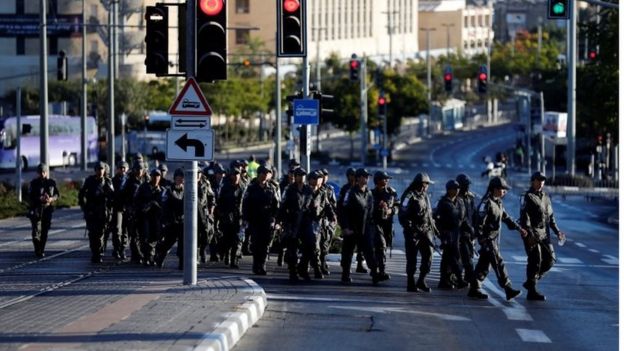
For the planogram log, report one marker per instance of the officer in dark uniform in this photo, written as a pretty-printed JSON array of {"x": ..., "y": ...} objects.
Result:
[
  {"x": 537, "y": 218},
  {"x": 229, "y": 207},
  {"x": 488, "y": 226},
  {"x": 358, "y": 227},
  {"x": 386, "y": 206},
  {"x": 206, "y": 202},
  {"x": 289, "y": 177},
  {"x": 132, "y": 215},
  {"x": 95, "y": 200},
  {"x": 42, "y": 193},
  {"x": 350, "y": 174},
  {"x": 164, "y": 182},
  {"x": 116, "y": 227},
  {"x": 418, "y": 229},
  {"x": 329, "y": 221},
  {"x": 173, "y": 205},
  {"x": 450, "y": 219},
  {"x": 260, "y": 206},
  {"x": 149, "y": 199},
  {"x": 466, "y": 238}
]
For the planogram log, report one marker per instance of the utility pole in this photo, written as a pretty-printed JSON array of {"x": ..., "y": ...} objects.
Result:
[
  {"x": 83, "y": 107},
  {"x": 390, "y": 15},
  {"x": 318, "y": 81},
  {"x": 542, "y": 146},
  {"x": 571, "y": 128},
  {"x": 363, "y": 111},
  {"x": 448, "y": 37},
  {"x": 428, "y": 31},
  {"x": 190, "y": 174},
  {"x": 278, "y": 116},
  {"x": 111, "y": 86},
  {"x": 43, "y": 82},
  {"x": 18, "y": 148}
]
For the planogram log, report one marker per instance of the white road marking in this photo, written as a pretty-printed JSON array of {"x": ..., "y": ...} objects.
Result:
[
  {"x": 610, "y": 259},
  {"x": 448, "y": 165},
  {"x": 569, "y": 260},
  {"x": 514, "y": 312},
  {"x": 425, "y": 165},
  {"x": 519, "y": 258},
  {"x": 533, "y": 335},
  {"x": 447, "y": 317},
  {"x": 594, "y": 251},
  {"x": 473, "y": 166},
  {"x": 56, "y": 231},
  {"x": 580, "y": 244}
]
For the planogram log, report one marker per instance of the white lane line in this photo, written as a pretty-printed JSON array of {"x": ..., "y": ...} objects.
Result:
[
  {"x": 461, "y": 166},
  {"x": 519, "y": 258},
  {"x": 79, "y": 225},
  {"x": 594, "y": 251},
  {"x": 425, "y": 165},
  {"x": 513, "y": 310},
  {"x": 610, "y": 259},
  {"x": 533, "y": 335},
  {"x": 56, "y": 231},
  {"x": 448, "y": 165},
  {"x": 473, "y": 166},
  {"x": 569, "y": 260},
  {"x": 580, "y": 244}
]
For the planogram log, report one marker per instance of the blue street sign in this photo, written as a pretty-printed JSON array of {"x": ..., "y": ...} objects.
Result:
[
  {"x": 306, "y": 111},
  {"x": 384, "y": 152}
]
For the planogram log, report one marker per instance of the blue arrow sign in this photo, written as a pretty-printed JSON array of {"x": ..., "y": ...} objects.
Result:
[{"x": 306, "y": 111}]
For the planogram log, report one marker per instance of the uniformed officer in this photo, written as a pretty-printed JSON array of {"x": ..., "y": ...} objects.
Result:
[
  {"x": 260, "y": 206},
  {"x": 173, "y": 205},
  {"x": 386, "y": 206},
  {"x": 418, "y": 229},
  {"x": 116, "y": 227},
  {"x": 358, "y": 227},
  {"x": 450, "y": 219},
  {"x": 42, "y": 194},
  {"x": 95, "y": 200},
  {"x": 164, "y": 181},
  {"x": 149, "y": 199},
  {"x": 488, "y": 226},
  {"x": 229, "y": 207},
  {"x": 350, "y": 174},
  {"x": 466, "y": 238},
  {"x": 537, "y": 218},
  {"x": 206, "y": 202},
  {"x": 133, "y": 216},
  {"x": 328, "y": 223}
]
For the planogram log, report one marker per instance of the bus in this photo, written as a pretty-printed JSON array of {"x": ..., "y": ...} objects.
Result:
[
  {"x": 152, "y": 140},
  {"x": 63, "y": 141}
]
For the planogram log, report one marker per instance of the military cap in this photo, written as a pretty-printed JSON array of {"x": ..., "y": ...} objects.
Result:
[
  {"x": 218, "y": 168},
  {"x": 155, "y": 172},
  {"x": 293, "y": 163},
  {"x": 234, "y": 170},
  {"x": 138, "y": 156},
  {"x": 423, "y": 178},
  {"x": 208, "y": 170},
  {"x": 43, "y": 168},
  {"x": 463, "y": 179},
  {"x": 452, "y": 184},
  {"x": 137, "y": 165},
  {"x": 325, "y": 171},
  {"x": 498, "y": 183},
  {"x": 361, "y": 172},
  {"x": 538, "y": 175},
  {"x": 379, "y": 175},
  {"x": 163, "y": 167},
  {"x": 178, "y": 173},
  {"x": 350, "y": 171},
  {"x": 314, "y": 175},
  {"x": 123, "y": 164},
  {"x": 264, "y": 170},
  {"x": 299, "y": 171},
  {"x": 100, "y": 165}
]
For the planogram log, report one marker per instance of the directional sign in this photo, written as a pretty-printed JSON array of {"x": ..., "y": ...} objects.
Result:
[
  {"x": 190, "y": 101},
  {"x": 306, "y": 111},
  {"x": 190, "y": 122},
  {"x": 190, "y": 145}
]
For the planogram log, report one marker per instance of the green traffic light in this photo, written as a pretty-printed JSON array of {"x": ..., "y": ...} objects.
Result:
[{"x": 558, "y": 8}]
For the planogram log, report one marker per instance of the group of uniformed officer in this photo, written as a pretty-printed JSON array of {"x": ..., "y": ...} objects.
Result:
[{"x": 298, "y": 217}]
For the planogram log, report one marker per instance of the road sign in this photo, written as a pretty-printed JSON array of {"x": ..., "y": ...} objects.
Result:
[
  {"x": 383, "y": 152},
  {"x": 306, "y": 111},
  {"x": 190, "y": 101},
  {"x": 190, "y": 122},
  {"x": 190, "y": 145}
]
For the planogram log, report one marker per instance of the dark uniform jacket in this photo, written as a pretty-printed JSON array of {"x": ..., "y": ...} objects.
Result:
[
  {"x": 469, "y": 201},
  {"x": 390, "y": 197},
  {"x": 229, "y": 202},
  {"x": 451, "y": 218},
  {"x": 149, "y": 200},
  {"x": 320, "y": 207},
  {"x": 293, "y": 207},
  {"x": 174, "y": 205},
  {"x": 119, "y": 181},
  {"x": 357, "y": 210},
  {"x": 128, "y": 192},
  {"x": 536, "y": 214},
  {"x": 491, "y": 215},
  {"x": 415, "y": 215},
  {"x": 39, "y": 187},
  {"x": 95, "y": 197},
  {"x": 260, "y": 205}
]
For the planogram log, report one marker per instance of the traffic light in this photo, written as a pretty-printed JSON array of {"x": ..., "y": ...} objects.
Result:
[
  {"x": 592, "y": 55},
  {"x": 482, "y": 81},
  {"x": 448, "y": 80},
  {"x": 157, "y": 40},
  {"x": 559, "y": 9},
  {"x": 211, "y": 39},
  {"x": 291, "y": 28},
  {"x": 382, "y": 105},
  {"x": 324, "y": 102},
  {"x": 61, "y": 66},
  {"x": 354, "y": 69}
]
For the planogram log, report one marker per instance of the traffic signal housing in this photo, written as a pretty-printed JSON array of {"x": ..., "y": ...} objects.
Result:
[
  {"x": 382, "y": 105},
  {"x": 291, "y": 28},
  {"x": 482, "y": 80},
  {"x": 559, "y": 9},
  {"x": 61, "y": 66},
  {"x": 325, "y": 101},
  {"x": 211, "y": 40},
  {"x": 354, "y": 69},
  {"x": 592, "y": 55},
  {"x": 157, "y": 40},
  {"x": 448, "y": 81}
]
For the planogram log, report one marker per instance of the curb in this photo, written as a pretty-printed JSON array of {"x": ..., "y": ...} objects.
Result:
[{"x": 230, "y": 331}]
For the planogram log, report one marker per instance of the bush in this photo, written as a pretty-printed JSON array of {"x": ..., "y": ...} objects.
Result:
[{"x": 569, "y": 180}]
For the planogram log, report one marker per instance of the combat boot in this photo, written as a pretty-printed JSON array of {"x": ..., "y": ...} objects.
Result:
[
  {"x": 303, "y": 273},
  {"x": 511, "y": 293},
  {"x": 444, "y": 284},
  {"x": 360, "y": 268},
  {"x": 280, "y": 258},
  {"x": 292, "y": 276},
  {"x": 375, "y": 275},
  {"x": 476, "y": 293},
  {"x": 383, "y": 276},
  {"x": 318, "y": 274},
  {"x": 532, "y": 293},
  {"x": 346, "y": 277},
  {"x": 234, "y": 263},
  {"x": 421, "y": 285},
  {"x": 411, "y": 284}
]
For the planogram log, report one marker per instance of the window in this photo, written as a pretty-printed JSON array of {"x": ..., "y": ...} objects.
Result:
[
  {"x": 473, "y": 21},
  {"x": 242, "y": 36},
  {"x": 242, "y": 6},
  {"x": 465, "y": 21}
]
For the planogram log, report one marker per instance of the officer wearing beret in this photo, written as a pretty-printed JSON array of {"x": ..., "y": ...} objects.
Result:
[
  {"x": 538, "y": 219},
  {"x": 42, "y": 195}
]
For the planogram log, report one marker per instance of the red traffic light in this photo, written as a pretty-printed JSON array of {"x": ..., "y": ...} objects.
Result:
[
  {"x": 291, "y": 6},
  {"x": 381, "y": 101},
  {"x": 448, "y": 77},
  {"x": 482, "y": 76},
  {"x": 355, "y": 64},
  {"x": 592, "y": 55},
  {"x": 211, "y": 7}
]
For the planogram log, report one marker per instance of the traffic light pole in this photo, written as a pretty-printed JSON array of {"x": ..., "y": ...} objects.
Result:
[
  {"x": 278, "y": 118},
  {"x": 571, "y": 128},
  {"x": 190, "y": 177},
  {"x": 83, "y": 107},
  {"x": 111, "y": 87},
  {"x": 304, "y": 129},
  {"x": 43, "y": 83},
  {"x": 363, "y": 110}
]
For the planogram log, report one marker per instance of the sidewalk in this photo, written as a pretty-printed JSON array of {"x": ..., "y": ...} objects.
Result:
[{"x": 133, "y": 308}]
